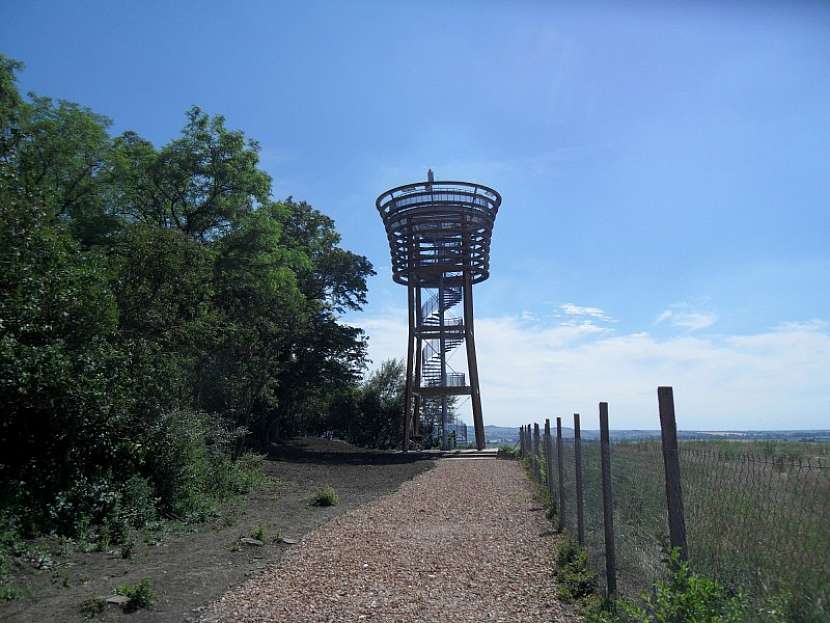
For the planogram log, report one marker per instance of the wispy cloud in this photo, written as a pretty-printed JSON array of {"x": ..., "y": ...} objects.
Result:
[
  {"x": 578, "y": 310},
  {"x": 531, "y": 370},
  {"x": 683, "y": 315}
]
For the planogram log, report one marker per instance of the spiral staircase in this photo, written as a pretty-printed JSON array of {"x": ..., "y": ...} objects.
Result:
[{"x": 430, "y": 329}]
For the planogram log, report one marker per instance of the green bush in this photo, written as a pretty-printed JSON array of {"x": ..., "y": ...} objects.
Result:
[
  {"x": 139, "y": 502},
  {"x": 685, "y": 596},
  {"x": 688, "y": 597},
  {"x": 192, "y": 466},
  {"x": 326, "y": 496},
  {"x": 11, "y": 546},
  {"x": 138, "y": 596},
  {"x": 574, "y": 578}
]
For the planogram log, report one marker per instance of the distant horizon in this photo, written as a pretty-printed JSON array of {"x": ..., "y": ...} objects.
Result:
[{"x": 687, "y": 430}]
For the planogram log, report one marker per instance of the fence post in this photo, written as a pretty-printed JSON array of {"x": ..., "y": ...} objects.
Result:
[
  {"x": 580, "y": 515},
  {"x": 529, "y": 432},
  {"x": 536, "y": 471},
  {"x": 559, "y": 470},
  {"x": 521, "y": 441},
  {"x": 607, "y": 502},
  {"x": 674, "y": 492},
  {"x": 549, "y": 461}
]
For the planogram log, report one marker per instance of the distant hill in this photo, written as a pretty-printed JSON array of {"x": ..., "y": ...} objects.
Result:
[{"x": 503, "y": 435}]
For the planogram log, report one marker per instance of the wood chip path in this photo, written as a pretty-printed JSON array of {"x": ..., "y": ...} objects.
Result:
[{"x": 462, "y": 542}]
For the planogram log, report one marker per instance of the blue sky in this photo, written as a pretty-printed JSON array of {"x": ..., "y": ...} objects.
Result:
[{"x": 664, "y": 168}]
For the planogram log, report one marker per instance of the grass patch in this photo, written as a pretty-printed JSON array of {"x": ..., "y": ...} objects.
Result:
[
  {"x": 139, "y": 596},
  {"x": 325, "y": 496}
]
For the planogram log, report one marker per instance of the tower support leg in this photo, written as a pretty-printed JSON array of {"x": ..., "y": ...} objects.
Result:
[
  {"x": 416, "y": 411},
  {"x": 472, "y": 365},
  {"x": 407, "y": 413}
]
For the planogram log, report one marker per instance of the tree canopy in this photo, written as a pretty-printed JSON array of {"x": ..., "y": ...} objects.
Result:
[{"x": 157, "y": 305}]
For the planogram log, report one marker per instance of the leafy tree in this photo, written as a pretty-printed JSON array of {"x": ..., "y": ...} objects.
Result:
[
  {"x": 159, "y": 312},
  {"x": 202, "y": 182}
]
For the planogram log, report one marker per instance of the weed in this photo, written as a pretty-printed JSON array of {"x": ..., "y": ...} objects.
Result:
[
  {"x": 574, "y": 578},
  {"x": 326, "y": 496},
  {"x": 103, "y": 542},
  {"x": 138, "y": 596},
  {"x": 92, "y": 607},
  {"x": 258, "y": 533},
  {"x": 128, "y": 549},
  {"x": 60, "y": 576},
  {"x": 9, "y": 592}
]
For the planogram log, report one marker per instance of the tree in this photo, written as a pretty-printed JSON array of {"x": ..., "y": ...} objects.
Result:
[{"x": 156, "y": 306}]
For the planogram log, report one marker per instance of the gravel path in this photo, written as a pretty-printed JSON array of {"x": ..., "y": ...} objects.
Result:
[{"x": 462, "y": 542}]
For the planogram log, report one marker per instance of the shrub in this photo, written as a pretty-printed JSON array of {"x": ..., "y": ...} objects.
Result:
[
  {"x": 326, "y": 496},
  {"x": 192, "y": 463},
  {"x": 89, "y": 500},
  {"x": 237, "y": 477},
  {"x": 138, "y": 596},
  {"x": 685, "y": 596},
  {"x": 575, "y": 579},
  {"x": 92, "y": 607},
  {"x": 139, "y": 503},
  {"x": 11, "y": 546}
]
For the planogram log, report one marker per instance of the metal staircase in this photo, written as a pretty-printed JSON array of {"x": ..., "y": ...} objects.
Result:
[{"x": 431, "y": 330}]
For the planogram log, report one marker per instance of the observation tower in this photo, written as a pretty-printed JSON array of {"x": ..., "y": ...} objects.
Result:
[{"x": 439, "y": 237}]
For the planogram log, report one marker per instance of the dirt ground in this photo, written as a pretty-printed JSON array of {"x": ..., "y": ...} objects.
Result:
[{"x": 190, "y": 569}]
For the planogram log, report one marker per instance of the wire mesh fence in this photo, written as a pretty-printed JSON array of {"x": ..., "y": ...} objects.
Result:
[{"x": 757, "y": 524}]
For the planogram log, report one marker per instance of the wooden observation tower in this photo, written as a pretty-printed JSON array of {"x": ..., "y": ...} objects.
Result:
[{"x": 439, "y": 237}]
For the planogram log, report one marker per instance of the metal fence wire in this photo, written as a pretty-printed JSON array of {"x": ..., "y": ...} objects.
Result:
[{"x": 757, "y": 524}]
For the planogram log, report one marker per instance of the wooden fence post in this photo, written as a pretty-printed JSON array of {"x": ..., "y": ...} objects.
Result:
[
  {"x": 580, "y": 514},
  {"x": 521, "y": 441},
  {"x": 559, "y": 469},
  {"x": 607, "y": 502},
  {"x": 549, "y": 461},
  {"x": 671, "y": 460},
  {"x": 529, "y": 430},
  {"x": 536, "y": 464}
]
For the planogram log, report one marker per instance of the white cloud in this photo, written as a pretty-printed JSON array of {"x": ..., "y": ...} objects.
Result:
[
  {"x": 577, "y": 310},
  {"x": 684, "y": 316},
  {"x": 773, "y": 379}
]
